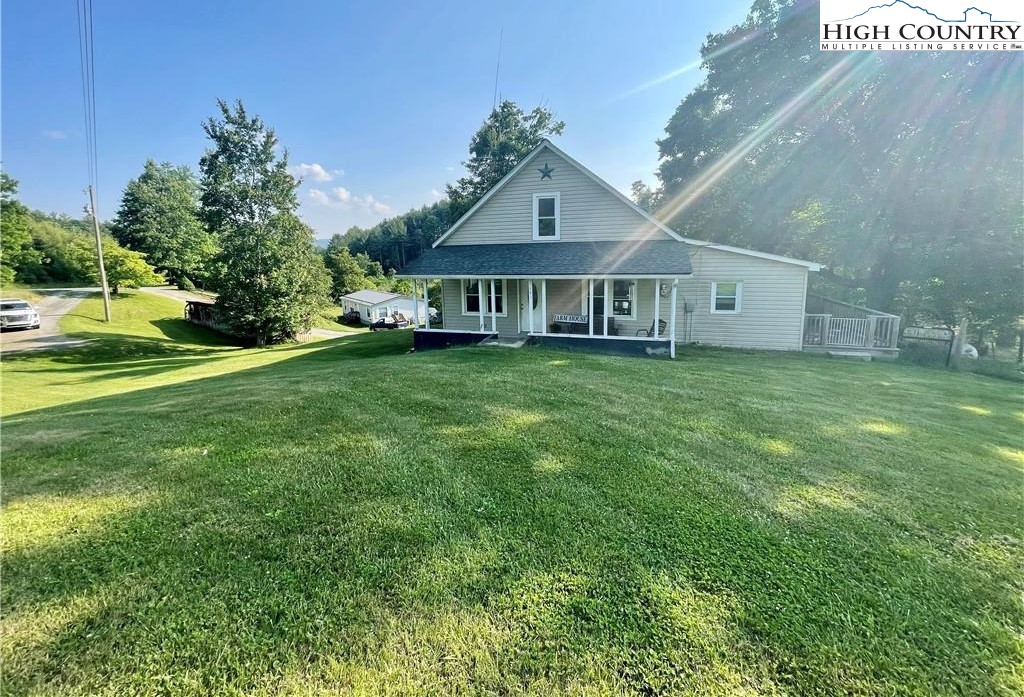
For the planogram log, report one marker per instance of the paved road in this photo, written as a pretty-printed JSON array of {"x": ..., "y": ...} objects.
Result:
[
  {"x": 56, "y": 303},
  {"x": 183, "y": 295},
  {"x": 174, "y": 294}
]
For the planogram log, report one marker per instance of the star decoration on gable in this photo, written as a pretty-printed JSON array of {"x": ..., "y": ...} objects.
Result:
[{"x": 545, "y": 171}]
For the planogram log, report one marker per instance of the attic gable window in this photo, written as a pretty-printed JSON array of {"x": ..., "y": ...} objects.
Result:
[{"x": 546, "y": 214}]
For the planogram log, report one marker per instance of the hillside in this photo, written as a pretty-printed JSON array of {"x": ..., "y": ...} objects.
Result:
[{"x": 185, "y": 517}]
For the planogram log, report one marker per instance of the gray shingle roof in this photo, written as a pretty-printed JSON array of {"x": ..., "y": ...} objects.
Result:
[
  {"x": 625, "y": 258},
  {"x": 370, "y": 297}
]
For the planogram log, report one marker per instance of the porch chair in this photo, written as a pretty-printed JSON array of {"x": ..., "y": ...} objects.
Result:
[{"x": 662, "y": 326}]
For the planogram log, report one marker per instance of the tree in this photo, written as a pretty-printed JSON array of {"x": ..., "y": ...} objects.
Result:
[
  {"x": 504, "y": 139},
  {"x": 127, "y": 268},
  {"x": 159, "y": 216},
  {"x": 347, "y": 273},
  {"x": 272, "y": 282},
  {"x": 16, "y": 248},
  {"x": 643, "y": 195},
  {"x": 914, "y": 207}
]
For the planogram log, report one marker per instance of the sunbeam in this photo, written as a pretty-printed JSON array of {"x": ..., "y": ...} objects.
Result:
[
  {"x": 851, "y": 66},
  {"x": 693, "y": 65}
]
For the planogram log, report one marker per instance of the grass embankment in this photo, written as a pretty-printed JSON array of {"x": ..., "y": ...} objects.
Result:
[
  {"x": 339, "y": 517},
  {"x": 16, "y": 290},
  {"x": 147, "y": 344}
]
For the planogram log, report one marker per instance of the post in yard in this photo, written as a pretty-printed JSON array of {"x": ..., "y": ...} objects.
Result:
[
  {"x": 99, "y": 256},
  {"x": 957, "y": 349}
]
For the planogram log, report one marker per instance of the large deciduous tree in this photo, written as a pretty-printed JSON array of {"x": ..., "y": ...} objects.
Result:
[
  {"x": 271, "y": 280},
  {"x": 350, "y": 273},
  {"x": 127, "y": 268},
  {"x": 159, "y": 216},
  {"x": 502, "y": 141},
  {"x": 900, "y": 171},
  {"x": 16, "y": 248}
]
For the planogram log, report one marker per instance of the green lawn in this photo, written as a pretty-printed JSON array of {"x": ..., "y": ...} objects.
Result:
[{"x": 182, "y": 517}]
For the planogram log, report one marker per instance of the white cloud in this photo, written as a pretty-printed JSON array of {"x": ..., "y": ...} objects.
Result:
[
  {"x": 372, "y": 204},
  {"x": 340, "y": 197},
  {"x": 437, "y": 194},
  {"x": 314, "y": 172},
  {"x": 318, "y": 196},
  {"x": 55, "y": 135}
]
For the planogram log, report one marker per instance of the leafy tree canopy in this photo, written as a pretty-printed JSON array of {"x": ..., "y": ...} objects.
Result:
[
  {"x": 159, "y": 216},
  {"x": 16, "y": 248},
  {"x": 127, "y": 268},
  {"x": 900, "y": 171},
  {"x": 507, "y": 136},
  {"x": 271, "y": 280}
]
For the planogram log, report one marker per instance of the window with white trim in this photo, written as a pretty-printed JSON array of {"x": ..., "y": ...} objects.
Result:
[
  {"x": 546, "y": 216},
  {"x": 471, "y": 297},
  {"x": 598, "y": 299},
  {"x": 726, "y": 297},
  {"x": 624, "y": 299}
]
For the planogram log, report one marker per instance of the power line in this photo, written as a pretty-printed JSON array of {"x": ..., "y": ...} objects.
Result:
[{"x": 86, "y": 54}]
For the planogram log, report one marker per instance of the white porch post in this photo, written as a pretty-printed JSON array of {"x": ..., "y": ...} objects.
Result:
[
  {"x": 494, "y": 309},
  {"x": 481, "y": 300},
  {"x": 672, "y": 325},
  {"x": 657, "y": 305},
  {"x": 529, "y": 301},
  {"x": 426, "y": 306},
  {"x": 415, "y": 307},
  {"x": 590, "y": 307},
  {"x": 605, "y": 303},
  {"x": 544, "y": 305}
]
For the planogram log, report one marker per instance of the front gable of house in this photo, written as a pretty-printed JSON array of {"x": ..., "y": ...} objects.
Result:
[{"x": 549, "y": 199}]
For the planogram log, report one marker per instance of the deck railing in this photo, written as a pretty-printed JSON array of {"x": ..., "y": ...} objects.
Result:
[{"x": 873, "y": 331}]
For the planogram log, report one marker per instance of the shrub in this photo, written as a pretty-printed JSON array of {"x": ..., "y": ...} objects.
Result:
[
  {"x": 1005, "y": 370},
  {"x": 930, "y": 353}
]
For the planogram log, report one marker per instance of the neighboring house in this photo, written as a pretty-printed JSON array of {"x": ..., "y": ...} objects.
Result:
[
  {"x": 554, "y": 254},
  {"x": 373, "y": 305}
]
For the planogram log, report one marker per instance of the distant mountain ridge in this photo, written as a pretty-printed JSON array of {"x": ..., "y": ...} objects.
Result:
[{"x": 907, "y": 5}]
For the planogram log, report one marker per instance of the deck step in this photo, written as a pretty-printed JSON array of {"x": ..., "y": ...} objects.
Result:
[
  {"x": 506, "y": 341},
  {"x": 851, "y": 355}
]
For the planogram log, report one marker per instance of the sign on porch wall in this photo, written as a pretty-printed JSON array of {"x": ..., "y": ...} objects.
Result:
[{"x": 573, "y": 319}]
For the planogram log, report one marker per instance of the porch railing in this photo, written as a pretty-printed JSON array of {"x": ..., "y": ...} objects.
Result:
[{"x": 874, "y": 331}]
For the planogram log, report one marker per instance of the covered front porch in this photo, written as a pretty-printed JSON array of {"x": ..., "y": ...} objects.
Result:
[
  {"x": 599, "y": 313},
  {"x": 589, "y": 294}
]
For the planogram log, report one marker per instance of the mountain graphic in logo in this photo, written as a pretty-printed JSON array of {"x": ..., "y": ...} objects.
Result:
[{"x": 971, "y": 15}]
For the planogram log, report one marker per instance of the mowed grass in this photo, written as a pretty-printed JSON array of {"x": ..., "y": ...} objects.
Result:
[
  {"x": 148, "y": 344},
  {"x": 341, "y": 517}
]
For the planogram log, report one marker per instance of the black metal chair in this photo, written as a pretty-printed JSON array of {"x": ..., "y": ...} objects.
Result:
[{"x": 662, "y": 326}]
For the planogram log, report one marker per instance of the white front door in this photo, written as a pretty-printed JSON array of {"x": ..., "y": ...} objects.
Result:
[{"x": 525, "y": 309}]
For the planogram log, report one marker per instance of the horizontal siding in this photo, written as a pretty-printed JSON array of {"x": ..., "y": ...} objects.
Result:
[
  {"x": 772, "y": 311},
  {"x": 589, "y": 212}
]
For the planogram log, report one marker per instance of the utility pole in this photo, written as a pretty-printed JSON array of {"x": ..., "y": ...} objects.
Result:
[{"x": 99, "y": 256}]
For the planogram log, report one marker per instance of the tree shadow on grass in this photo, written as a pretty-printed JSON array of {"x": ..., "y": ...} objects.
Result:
[{"x": 425, "y": 524}]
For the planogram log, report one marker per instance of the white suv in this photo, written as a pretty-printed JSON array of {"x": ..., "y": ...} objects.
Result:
[{"x": 16, "y": 313}]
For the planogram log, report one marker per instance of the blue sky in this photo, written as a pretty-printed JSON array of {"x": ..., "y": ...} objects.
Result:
[{"x": 381, "y": 96}]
